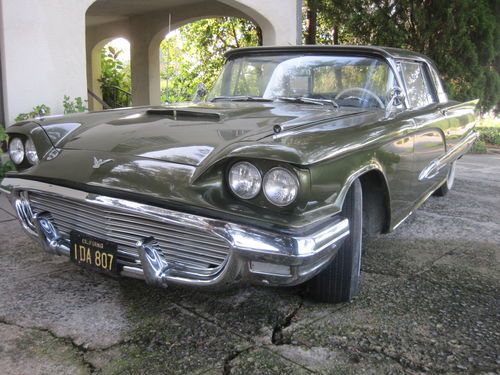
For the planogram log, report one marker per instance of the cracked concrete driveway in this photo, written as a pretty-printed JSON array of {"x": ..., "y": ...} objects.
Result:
[{"x": 429, "y": 303}]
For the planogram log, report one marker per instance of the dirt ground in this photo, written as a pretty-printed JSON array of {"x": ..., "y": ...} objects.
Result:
[{"x": 429, "y": 304}]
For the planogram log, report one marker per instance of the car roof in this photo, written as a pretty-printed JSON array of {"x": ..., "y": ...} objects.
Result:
[{"x": 387, "y": 52}]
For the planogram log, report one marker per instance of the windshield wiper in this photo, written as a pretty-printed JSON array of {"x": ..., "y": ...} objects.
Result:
[
  {"x": 241, "y": 98},
  {"x": 306, "y": 100}
]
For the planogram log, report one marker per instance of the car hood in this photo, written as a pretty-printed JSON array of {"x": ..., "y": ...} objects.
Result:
[{"x": 185, "y": 133}]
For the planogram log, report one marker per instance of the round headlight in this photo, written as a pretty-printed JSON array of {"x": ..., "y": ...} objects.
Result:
[
  {"x": 280, "y": 186},
  {"x": 31, "y": 153},
  {"x": 245, "y": 180},
  {"x": 16, "y": 151}
]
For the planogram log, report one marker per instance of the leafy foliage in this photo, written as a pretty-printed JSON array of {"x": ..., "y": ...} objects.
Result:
[
  {"x": 479, "y": 147},
  {"x": 73, "y": 106},
  {"x": 7, "y": 166},
  {"x": 37, "y": 111},
  {"x": 490, "y": 135},
  {"x": 3, "y": 134},
  {"x": 115, "y": 78},
  {"x": 462, "y": 37},
  {"x": 196, "y": 54}
]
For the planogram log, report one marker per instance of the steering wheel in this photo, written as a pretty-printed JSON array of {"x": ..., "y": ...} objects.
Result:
[{"x": 357, "y": 90}]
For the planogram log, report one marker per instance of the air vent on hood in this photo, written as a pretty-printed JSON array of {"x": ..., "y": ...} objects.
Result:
[{"x": 183, "y": 114}]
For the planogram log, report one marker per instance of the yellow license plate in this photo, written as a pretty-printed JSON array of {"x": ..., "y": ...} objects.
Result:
[{"x": 93, "y": 252}]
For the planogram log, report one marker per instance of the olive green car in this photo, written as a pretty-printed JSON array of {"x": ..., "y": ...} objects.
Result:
[{"x": 274, "y": 178}]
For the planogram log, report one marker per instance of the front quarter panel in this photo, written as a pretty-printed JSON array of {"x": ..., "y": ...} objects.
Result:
[
  {"x": 30, "y": 129},
  {"x": 336, "y": 154}
]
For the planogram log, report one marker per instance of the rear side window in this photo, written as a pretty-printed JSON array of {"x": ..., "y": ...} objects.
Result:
[
  {"x": 438, "y": 85},
  {"x": 419, "y": 89}
]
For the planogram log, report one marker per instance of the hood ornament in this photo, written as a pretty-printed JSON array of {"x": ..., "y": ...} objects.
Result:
[{"x": 99, "y": 162}]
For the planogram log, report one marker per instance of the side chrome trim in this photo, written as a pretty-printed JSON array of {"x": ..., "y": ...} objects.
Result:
[{"x": 449, "y": 157}]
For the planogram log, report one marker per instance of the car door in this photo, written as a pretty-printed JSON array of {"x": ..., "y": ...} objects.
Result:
[{"x": 430, "y": 122}]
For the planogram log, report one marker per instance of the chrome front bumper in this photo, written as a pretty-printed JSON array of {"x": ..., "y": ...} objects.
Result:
[{"x": 255, "y": 255}]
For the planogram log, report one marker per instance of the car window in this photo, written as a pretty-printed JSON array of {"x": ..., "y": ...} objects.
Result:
[
  {"x": 438, "y": 85},
  {"x": 249, "y": 77},
  {"x": 353, "y": 81},
  {"x": 329, "y": 79},
  {"x": 417, "y": 84}
]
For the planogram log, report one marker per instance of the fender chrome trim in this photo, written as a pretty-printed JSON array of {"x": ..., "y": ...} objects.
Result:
[{"x": 435, "y": 166}]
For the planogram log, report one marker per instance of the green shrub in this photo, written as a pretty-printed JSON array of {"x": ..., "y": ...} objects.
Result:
[
  {"x": 115, "y": 78},
  {"x": 479, "y": 147},
  {"x": 3, "y": 134},
  {"x": 489, "y": 122},
  {"x": 490, "y": 135},
  {"x": 37, "y": 111},
  {"x": 7, "y": 166},
  {"x": 73, "y": 106}
]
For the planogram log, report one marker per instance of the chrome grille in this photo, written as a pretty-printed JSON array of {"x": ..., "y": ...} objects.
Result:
[{"x": 198, "y": 249}]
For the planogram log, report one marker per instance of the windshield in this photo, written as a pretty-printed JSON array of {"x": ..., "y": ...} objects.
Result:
[{"x": 347, "y": 80}]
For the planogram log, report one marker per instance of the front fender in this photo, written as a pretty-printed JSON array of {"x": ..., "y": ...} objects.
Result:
[
  {"x": 331, "y": 180},
  {"x": 31, "y": 129}
]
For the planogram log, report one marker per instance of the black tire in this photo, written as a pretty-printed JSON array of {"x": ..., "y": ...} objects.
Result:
[
  {"x": 448, "y": 184},
  {"x": 339, "y": 281}
]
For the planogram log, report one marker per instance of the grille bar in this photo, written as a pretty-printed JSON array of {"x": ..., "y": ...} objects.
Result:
[{"x": 199, "y": 249}]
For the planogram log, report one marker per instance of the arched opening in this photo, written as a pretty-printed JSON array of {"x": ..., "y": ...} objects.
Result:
[
  {"x": 193, "y": 54},
  {"x": 145, "y": 23},
  {"x": 109, "y": 75},
  {"x": 115, "y": 80}
]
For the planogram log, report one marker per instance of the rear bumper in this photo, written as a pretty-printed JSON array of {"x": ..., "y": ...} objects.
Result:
[{"x": 254, "y": 255}]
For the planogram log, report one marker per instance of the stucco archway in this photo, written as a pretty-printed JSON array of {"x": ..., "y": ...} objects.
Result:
[
  {"x": 67, "y": 32},
  {"x": 94, "y": 71},
  {"x": 144, "y": 23}
]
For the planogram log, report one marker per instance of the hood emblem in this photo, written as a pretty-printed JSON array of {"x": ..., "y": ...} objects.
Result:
[{"x": 99, "y": 162}]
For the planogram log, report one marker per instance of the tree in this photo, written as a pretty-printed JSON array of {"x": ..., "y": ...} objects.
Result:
[
  {"x": 461, "y": 36},
  {"x": 196, "y": 53},
  {"x": 311, "y": 22}
]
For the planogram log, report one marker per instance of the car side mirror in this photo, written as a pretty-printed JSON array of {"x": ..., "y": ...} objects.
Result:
[
  {"x": 395, "y": 101},
  {"x": 200, "y": 92}
]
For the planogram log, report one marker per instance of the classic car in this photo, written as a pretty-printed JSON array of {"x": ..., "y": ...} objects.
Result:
[{"x": 274, "y": 178}]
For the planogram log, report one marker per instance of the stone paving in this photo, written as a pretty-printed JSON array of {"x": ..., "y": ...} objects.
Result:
[{"x": 429, "y": 304}]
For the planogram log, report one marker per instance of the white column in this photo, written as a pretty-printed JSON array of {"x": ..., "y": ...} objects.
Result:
[
  {"x": 93, "y": 75},
  {"x": 42, "y": 44},
  {"x": 144, "y": 63}
]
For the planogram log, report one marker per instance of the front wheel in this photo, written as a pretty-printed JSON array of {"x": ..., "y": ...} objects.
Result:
[
  {"x": 339, "y": 281},
  {"x": 448, "y": 184}
]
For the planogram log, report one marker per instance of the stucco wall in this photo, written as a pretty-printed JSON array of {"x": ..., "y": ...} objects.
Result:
[{"x": 43, "y": 53}]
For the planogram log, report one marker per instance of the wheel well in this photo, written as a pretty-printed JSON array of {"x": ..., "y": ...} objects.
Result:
[{"x": 376, "y": 203}]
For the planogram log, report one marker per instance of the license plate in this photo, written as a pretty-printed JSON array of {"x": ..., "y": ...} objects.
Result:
[{"x": 93, "y": 252}]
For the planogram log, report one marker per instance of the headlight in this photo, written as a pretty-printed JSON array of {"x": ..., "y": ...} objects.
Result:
[
  {"x": 16, "y": 151},
  {"x": 245, "y": 180},
  {"x": 31, "y": 153},
  {"x": 280, "y": 186}
]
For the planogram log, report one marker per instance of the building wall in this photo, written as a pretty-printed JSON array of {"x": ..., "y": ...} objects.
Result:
[
  {"x": 2, "y": 113},
  {"x": 42, "y": 44},
  {"x": 45, "y": 55}
]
